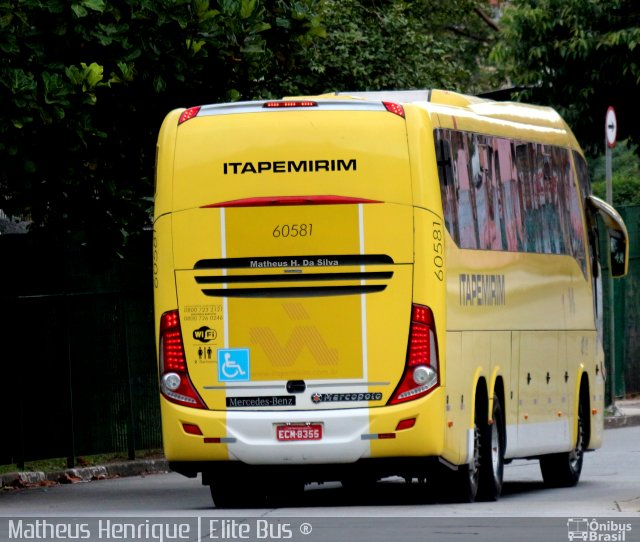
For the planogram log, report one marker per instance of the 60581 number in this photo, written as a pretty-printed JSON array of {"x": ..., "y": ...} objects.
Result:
[{"x": 292, "y": 230}]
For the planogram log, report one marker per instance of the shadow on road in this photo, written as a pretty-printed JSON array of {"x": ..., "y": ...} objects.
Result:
[{"x": 394, "y": 492}]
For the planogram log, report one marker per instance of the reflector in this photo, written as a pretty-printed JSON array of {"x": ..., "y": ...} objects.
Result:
[
  {"x": 405, "y": 424},
  {"x": 191, "y": 428}
]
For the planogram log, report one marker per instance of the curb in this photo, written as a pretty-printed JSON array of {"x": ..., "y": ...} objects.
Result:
[
  {"x": 84, "y": 474},
  {"x": 615, "y": 422}
]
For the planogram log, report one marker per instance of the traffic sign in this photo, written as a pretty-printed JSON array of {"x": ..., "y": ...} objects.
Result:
[{"x": 611, "y": 127}]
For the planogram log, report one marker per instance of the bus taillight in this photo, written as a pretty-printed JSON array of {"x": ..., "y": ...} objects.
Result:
[
  {"x": 175, "y": 383},
  {"x": 421, "y": 367},
  {"x": 394, "y": 108},
  {"x": 188, "y": 114},
  {"x": 288, "y": 104}
]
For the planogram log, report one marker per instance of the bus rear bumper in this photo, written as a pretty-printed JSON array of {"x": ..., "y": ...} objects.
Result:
[{"x": 347, "y": 435}]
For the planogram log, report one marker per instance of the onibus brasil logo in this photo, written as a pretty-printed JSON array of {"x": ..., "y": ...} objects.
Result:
[{"x": 593, "y": 530}]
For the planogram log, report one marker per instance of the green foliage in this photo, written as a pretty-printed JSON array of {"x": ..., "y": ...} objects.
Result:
[
  {"x": 625, "y": 175},
  {"x": 85, "y": 85},
  {"x": 397, "y": 44},
  {"x": 579, "y": 56}
]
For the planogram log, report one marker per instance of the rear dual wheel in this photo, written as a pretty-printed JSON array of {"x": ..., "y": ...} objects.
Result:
[
  {"x": 253, "y": 490},
  {"x": 564, "y": 469},
  {"x": 492, "y": 446},
  {"x": 481, "y": 478}
]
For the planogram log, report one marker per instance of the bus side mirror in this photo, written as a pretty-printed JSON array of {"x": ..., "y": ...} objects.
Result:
[{"x": 618, "y": 236}]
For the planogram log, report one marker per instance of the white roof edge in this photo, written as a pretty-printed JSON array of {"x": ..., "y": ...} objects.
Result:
[{"x": 391, "y": 95}]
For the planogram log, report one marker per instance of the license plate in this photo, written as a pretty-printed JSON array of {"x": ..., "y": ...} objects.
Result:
[{"x": 305, "y": 431}]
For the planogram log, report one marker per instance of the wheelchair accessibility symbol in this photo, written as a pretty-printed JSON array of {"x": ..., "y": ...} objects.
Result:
[{"x": 233, "y": 365}]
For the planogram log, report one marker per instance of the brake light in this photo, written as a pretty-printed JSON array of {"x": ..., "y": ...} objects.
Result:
[
  {"x": 290, "y": 200},
  {"x": 188, "y": 114},
  {"x": 394, "y": 108},
  {"x": 288, "y": 104},
  {"x": 421, "y": 366},
  {"x": 175, "y": 384}
]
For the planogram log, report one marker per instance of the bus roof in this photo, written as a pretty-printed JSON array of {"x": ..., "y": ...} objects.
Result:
[{"x": 454, "y": 104}]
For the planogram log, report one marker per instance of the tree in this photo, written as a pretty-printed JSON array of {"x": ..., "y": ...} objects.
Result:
[
  {"x": 400, "y": 44},
  {"x": 579, "y": 56},
  {"x": 625, "y": 175},
  {"x": 85, "y": 85}
]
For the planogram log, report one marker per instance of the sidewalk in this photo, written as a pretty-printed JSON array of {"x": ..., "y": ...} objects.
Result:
[
  {"x": 626, "y": 413},
  {"x": 137, "y": 467}
]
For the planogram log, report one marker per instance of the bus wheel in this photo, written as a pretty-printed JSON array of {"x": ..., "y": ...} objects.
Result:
[
  {"x": 460, "y": 485},
  {"x": 492, "y": 444},
  {"x": 237, "y": 491},
  {"x": 285, "y": 492},
  {"x": 564, "y": 469},
  {"x": 359, "y": 483}
]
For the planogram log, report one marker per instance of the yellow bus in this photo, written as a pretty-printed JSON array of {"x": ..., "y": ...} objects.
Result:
[{"x": 352, "y": 287}]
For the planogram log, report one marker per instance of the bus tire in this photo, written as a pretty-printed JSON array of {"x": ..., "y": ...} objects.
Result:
[
  {"x": 460, "y": 485},
  {"x": 492, "y": 447},
  {"x": 359, "y": 483},
  {"x": 564, "y": 469},
  {"x": 284, "y": 492},
  {"x": 451, "y": 486},
  {"x": 237, "y": 491}
]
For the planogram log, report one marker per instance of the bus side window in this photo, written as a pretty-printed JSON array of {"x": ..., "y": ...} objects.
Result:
[{"x": 448, "y": 186}]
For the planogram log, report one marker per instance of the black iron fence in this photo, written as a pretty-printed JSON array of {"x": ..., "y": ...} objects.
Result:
[{"x": 78, "y": 354}]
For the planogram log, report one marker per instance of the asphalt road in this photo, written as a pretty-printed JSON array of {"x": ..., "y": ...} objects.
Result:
[{"x": 609, "y": 491}]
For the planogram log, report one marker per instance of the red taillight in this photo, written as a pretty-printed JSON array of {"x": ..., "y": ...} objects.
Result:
[
  {"x": 421, "y": 367},
  {"x": 171, "y": 346},
  {"x": 188, "y": 114},
  {"x": 289, "y": 200},
  {"x": 419, "y": 345},
  {"x": 175, "y": 383},
  {"x": 287, "y": 104},
  {"x": 394, "y": 108}
]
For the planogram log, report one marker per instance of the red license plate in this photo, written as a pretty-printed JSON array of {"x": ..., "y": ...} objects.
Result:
[{"x": 312, "y": 431}]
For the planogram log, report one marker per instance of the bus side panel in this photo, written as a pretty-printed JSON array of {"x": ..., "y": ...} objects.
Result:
[
  {"x": 512, "y": 398},
  {"x": 426, "y": 438},
  {"x": 456, "y": 417},
  {"x": 165, "y": 156},
  {"x": 597, "y": 400},
  {"x": 543, "y": 427},
  {"x": 164, "y": 286}
]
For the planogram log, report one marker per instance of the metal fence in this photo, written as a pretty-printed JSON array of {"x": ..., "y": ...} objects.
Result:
[
  {"x": 78, "y": 355},
  {"x": 626, "y": 313}
]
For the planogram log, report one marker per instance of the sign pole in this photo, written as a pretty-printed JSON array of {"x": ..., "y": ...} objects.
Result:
[{"x": 611, "y": 130}]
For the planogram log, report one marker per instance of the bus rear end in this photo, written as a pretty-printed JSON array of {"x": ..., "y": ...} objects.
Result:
[{"x": 289, "y": 339}]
